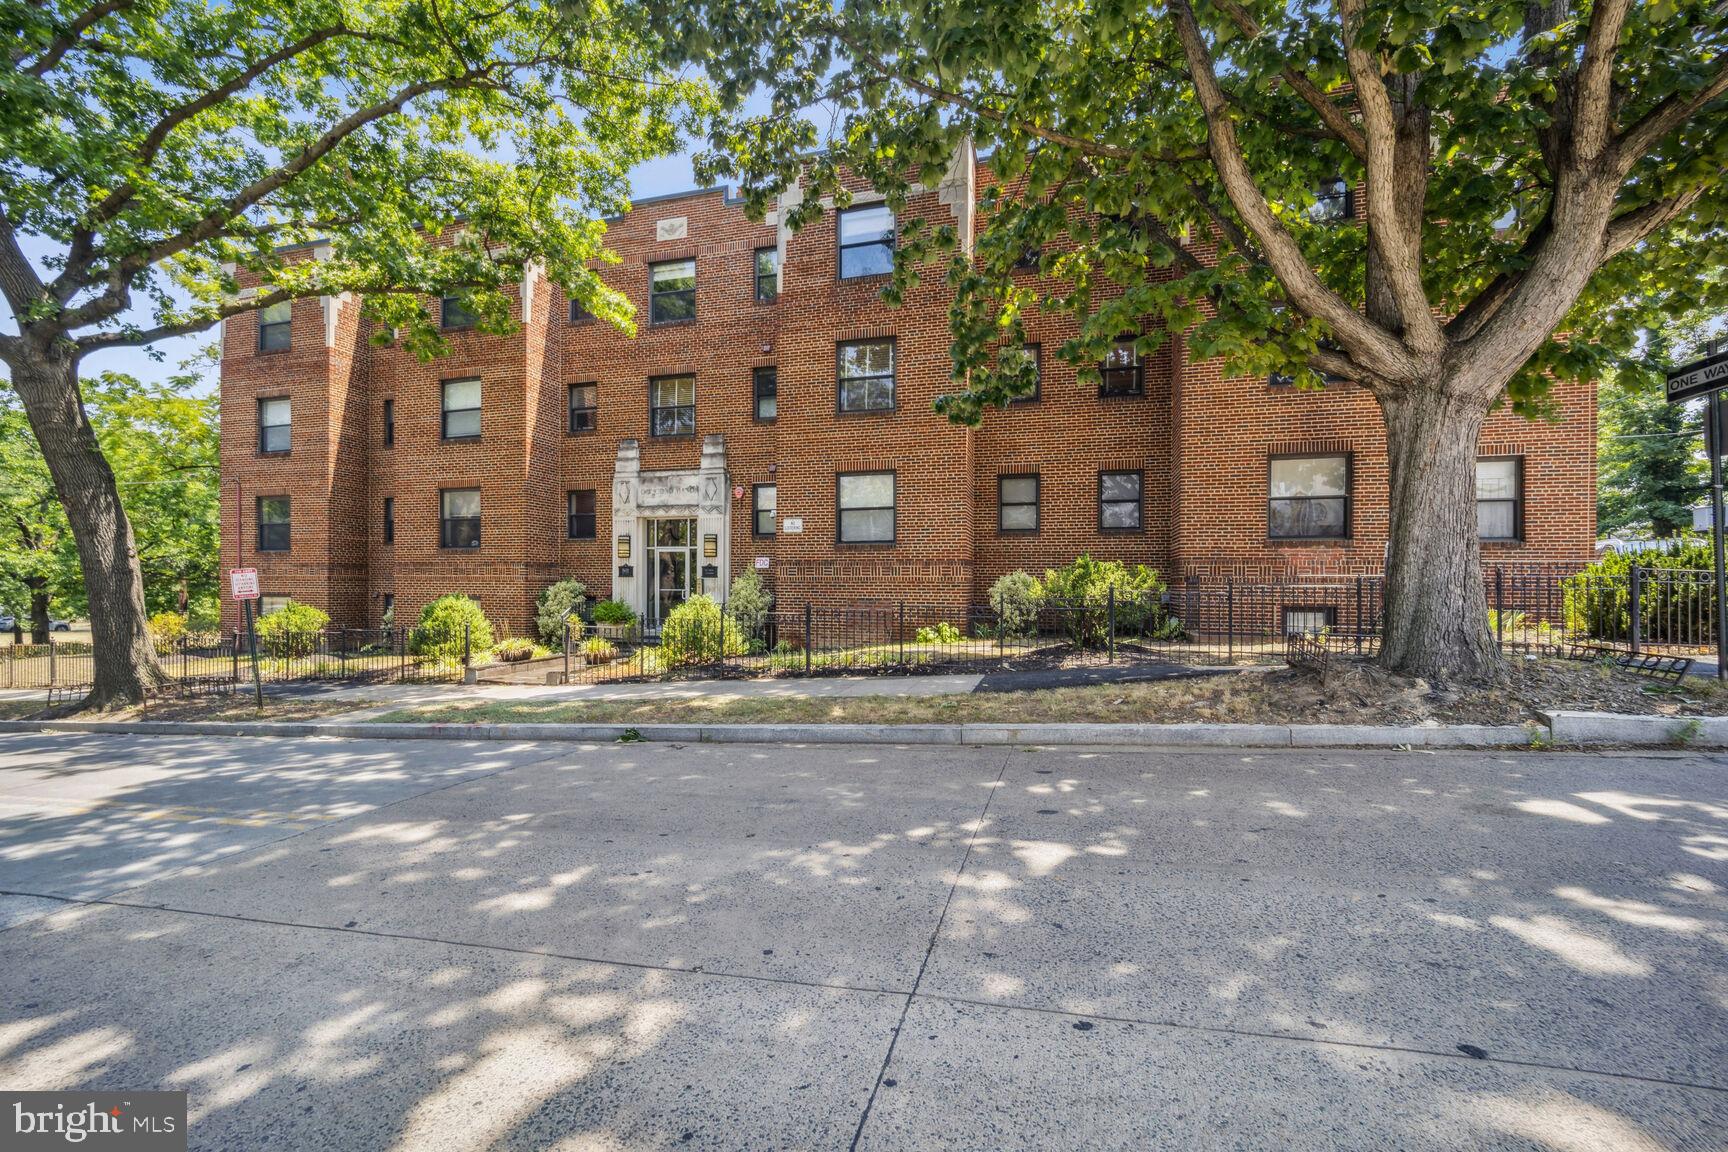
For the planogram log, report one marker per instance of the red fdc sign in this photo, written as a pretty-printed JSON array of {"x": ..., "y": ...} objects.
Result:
[{"x": 243, "y": 583}]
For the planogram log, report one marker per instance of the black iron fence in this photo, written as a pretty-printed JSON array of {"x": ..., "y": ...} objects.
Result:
[
  {"x": 1217, "y": 622},
  {"x": 197, "y": 662}
]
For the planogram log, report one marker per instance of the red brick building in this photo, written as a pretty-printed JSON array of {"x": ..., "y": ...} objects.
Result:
[{"x": 773, "y": 413}]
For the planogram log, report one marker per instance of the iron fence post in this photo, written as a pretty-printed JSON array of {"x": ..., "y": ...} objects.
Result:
[
  {"x": 1359, "y": 623},
  {"x": 1637, "y": 606},
  {"x": 1499, "y": 606},
  {"x": 566, "y": 649},
  {"x": 808, "y": 639},
  {"x": 234, "y": 655},
  {"x": 1230, "y": 618},
  {"x": 467, "y": 639},
  {"x": 1110, "y": 595},
  {"x": 900, "y": 633},
  {"x": 51, "y": 673}
]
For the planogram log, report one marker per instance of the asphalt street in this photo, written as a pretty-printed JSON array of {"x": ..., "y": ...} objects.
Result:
[{"x": 368, "y": 945}]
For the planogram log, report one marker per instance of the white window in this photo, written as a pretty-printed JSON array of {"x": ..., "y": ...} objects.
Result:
[
  {"x": 1308, "y": 498},
  {"x": 275, "y": 424},
  {"x": 1017, "y": 503},
  {"x": 461, "y": 409},
  {"x": 866, "y": 507},
  {"x": 275, "y": 325},
  {"x": 866, "y": 241},
  {"x": 1119, "y": 501},
  {"x": 866, "y": 369},
  {"x": 269, "y": 604},
  {"x": 1309, "y": 621},
  {"x": 1500, "y": 498},
  {"x": 672, "y": 406},
  {"x": 672, "y": 291}
]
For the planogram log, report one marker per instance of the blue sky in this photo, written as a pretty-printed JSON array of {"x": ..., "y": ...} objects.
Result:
[{"x": 667, "y": 174}]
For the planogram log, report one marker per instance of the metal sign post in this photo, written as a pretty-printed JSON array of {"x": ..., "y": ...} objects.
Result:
[
  {"x": 243, "y": 584},
  {"x": 1707, "y": 377}
]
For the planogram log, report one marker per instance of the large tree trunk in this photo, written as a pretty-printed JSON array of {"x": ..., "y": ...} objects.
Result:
[
  {"x": 125, "y": 661},
  {"x": 1436, "y": 622}
]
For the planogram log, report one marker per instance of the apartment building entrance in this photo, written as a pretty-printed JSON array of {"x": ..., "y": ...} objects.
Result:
[{"x": 671, "y": 567}]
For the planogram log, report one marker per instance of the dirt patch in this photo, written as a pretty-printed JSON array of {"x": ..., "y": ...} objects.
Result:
[{"x": 1352, "y": 692}]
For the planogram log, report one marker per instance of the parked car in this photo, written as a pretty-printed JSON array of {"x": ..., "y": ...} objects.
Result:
[
  {"x": 7, "y": 622},
  {"x": 59, "y": 625}
]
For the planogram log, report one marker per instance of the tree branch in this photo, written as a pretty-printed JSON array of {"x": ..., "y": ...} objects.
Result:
[
  {"x": 1396, "y": 242},
  {"x": 1641, "y": 138},
  {"x": 1632, "y": 227},
  {"x": 1337, "y": 121},
  {"x": 67, "y": 40},
  {"x": 1592, "y": 108},
  {"x": 1372, "y": 348}
]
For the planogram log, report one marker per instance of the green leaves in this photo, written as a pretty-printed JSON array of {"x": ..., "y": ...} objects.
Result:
[{"x": 172, "y": 149}]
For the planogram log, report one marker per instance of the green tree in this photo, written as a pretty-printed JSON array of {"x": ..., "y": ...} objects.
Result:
[
  {"x": 159, "y": 152},
  {"x": 162, "y": 442},
  {"x": 1523, "y": 168},
  {"x": 1649, "y": 467}
]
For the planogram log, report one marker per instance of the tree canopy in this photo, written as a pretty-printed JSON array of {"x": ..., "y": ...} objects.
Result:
[
  {"x": 162, "y": 441},
  {"x": 1133, "y": 141},
  {"x": 160, "y": 145}
]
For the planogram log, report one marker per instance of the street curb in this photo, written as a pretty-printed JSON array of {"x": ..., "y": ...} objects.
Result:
[
  {"x": 1614, "y": 728},
  {"x": 1136, "y": 735}
]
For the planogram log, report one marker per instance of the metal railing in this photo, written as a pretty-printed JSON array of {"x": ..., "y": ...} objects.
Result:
[{"x": 1654, "y": 611}]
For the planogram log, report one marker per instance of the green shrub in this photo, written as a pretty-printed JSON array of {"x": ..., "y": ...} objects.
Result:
[
  {"x": 557, "y": 602},
  {"x": 1598, "y": 601},
  {"x": 442, "y": 626},
  {"x": 943, "y": 633},
  {"x": 748, "y": 603},
  {"x": 1016, "y": 598},
  {"x": 292, "y": 630},
  {"x": 513, "y": 649},
  {"x": 1082, "y": 590},
  {"x": 599, "y": 650},
  {"x": 614, "y": 612},
  {"x": 165, "y": 628},
  {"x": 695, "y": 631}
]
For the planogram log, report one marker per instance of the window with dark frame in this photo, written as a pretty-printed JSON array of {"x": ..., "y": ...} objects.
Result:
[
  {"x": 1119, "y": 501},
  {"x": 1308, "y": 497},
  {"x": 1017, "y": 503},
  {"x": 460, "y": 418},
  {"x": 1028, "y": 260},
  {"x": 672, "y": 406},
  {"x": 671, "y": 291},
  {"x": 764, "y": 502},
  {"x": 580, "y": 508},
  {"x": 1500, "y": 498},
  {"x": 866, "y": 241},
  {"x": 274, "y": 515},
  {"x": 765, "y": 387},
  {"x": 453, "y": 314},
  {"x": 1308, "y": 619},
  {"x": 459, "y": 518},
  {"x": 767, "y": 275},
  {"x": 275, "y": 424},
  {"x": 865, "y": 507},
  {"x": 866, "y": 375},
  {"x": 389, "y": 519},
  {"x": 1122, "y": 373},
  {"x": 584, "y": 406},
  {"x": 1036, "y": 353},
  {"x": 389, "y": 423},
  {"x": 275, "y": 327},
  {"x": 579, "y": 314},
  {"x": 1334, "y": 200}
]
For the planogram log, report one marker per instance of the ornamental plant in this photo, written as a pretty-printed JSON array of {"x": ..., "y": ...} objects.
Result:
[
  {"x": 291, "y": 631},
  {"x": 556, "y": 604},
  {"x": 697, "y": 632},
  {"x": 449, "y": 627}
]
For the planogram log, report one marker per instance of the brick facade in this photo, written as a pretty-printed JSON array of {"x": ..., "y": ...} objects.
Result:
[{"x": 1200, "y": 442}]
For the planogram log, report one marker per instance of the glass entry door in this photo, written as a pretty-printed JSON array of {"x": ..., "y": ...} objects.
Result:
[{"x": 671, "y": 567}]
